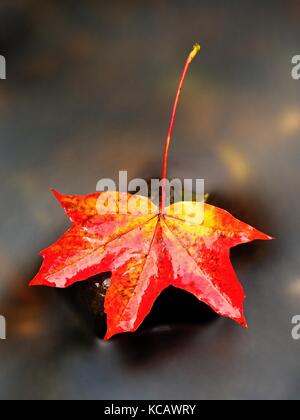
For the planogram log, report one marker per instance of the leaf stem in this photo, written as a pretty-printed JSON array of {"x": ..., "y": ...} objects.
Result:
[{"x": 190, "y": 58}]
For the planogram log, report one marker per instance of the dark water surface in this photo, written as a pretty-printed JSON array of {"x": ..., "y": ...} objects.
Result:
[{"x": 89, "y": 93}]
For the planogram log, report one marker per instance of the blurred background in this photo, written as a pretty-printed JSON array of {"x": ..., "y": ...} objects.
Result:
[{"x": 89, "y": 90}]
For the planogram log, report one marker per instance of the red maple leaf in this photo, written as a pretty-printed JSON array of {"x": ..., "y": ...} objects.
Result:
[{"x": 149, "y": 249}]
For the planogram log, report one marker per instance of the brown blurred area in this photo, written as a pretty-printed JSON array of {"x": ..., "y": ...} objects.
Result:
[{"x": 89, "y": 91}]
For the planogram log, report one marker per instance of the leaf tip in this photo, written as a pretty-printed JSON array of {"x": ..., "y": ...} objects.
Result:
[
  {"x": 108, "y": 336},
  {"x": 264, "y": 237},
  {"x": 35, "y": 282},
  {"x": 241, "y": 319},
  {"x": 244, "y": 324},
  {"x": 56, "y": 194}
]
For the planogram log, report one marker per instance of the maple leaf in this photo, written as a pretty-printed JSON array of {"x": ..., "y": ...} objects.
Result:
[{"x": 148, "y": 249}]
